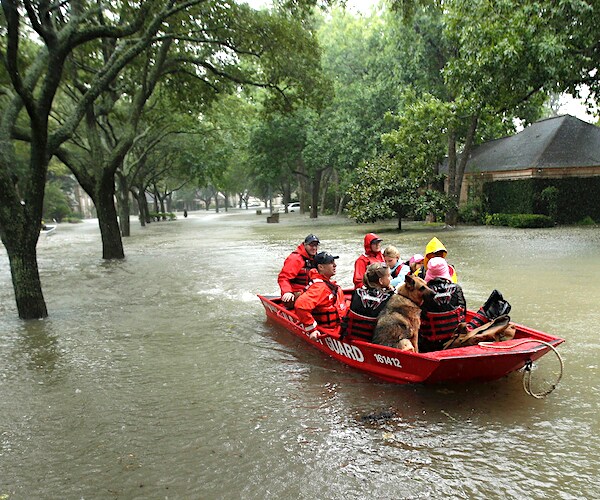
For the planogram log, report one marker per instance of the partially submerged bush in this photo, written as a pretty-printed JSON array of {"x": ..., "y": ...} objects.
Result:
[
  {"x": 586, "y": 221},
  {"x": 519, "y": 220}
]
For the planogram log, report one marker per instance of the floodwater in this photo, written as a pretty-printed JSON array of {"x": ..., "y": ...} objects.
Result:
[{"x": 159, "y": 377}]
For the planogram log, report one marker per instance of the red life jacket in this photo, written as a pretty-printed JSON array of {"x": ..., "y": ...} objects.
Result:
[
  {"x": 359, "y": 326},
  {"x": 439, "y": 326},
  {"x": 302, "y": 279},
  {"x": 329, "y": 316}
]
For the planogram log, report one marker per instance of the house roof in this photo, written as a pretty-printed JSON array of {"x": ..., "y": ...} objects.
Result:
[{"x": 558, "y": 142}]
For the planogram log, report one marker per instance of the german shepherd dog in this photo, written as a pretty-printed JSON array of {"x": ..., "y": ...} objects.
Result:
[{"x": 398, "y": 324}]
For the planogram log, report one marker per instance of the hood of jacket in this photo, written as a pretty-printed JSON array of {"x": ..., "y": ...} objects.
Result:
[
  {"x": 369, "y": 238},
  {"x": 433, "y": 246}
]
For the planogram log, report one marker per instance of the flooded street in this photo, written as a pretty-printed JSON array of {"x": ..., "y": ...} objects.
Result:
[{"x": 159, "y": 377}]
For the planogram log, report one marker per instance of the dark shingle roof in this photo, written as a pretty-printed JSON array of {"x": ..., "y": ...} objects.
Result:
[{"x": 562, "y": 141}]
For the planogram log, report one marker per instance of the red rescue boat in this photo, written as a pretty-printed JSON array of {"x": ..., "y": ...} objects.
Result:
[{"x": 487, "y": 361}]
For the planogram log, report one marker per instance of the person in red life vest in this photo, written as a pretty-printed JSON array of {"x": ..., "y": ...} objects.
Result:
[
  {"x": 321, "y": 307},
  {"x": 367, "y": 302},
  {"x": 372, "y": 254},
  {"x": 293, "y": 277},
  {"x": 441, "y": 313}
]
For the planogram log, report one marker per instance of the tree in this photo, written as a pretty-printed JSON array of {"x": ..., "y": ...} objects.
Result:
[
  {"x": 109, "y": 37},
  {"x": 404, "y": 180},
  {"x": 34, "y": 73}
]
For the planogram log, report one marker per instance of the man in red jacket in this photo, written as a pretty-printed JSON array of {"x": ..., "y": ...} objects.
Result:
[
  {"x": 293, "y": 277},
  {"x": 322, "y": 306}
]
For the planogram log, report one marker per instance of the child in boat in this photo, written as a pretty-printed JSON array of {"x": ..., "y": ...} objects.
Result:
[
  {"x": 416, "y": 263},
  {"x": 435, "y": 248},
  {"x": 398, "y": 269},
  {"x": 372, "y": 254},
  {"x": 367, "y": 302},
  {"x": 443, "y": 312}
]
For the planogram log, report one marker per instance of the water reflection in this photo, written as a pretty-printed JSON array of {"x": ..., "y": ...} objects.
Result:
[{"x": 39, "y": 345}]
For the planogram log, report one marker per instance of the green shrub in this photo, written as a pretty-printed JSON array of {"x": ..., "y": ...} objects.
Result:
[
  {"x": 586, "y": 221},
  {"x": 519, "y": 220},
  {"x": 158, "y": 216},
  {"x": 73, "y": 219},
  {"x": 471, "y": 212}
]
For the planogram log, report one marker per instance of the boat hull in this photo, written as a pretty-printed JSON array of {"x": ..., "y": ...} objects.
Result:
[{"x": 479, "y": 362}]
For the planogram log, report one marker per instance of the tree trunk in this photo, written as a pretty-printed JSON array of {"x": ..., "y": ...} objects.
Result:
[
  {"x": 323, "y": 192},
  {"x": 452, "y": 213},
  {"x": 458, "y": 171},
  {"x": 315, "y": 188},
  {"x": 399, "y": 221},
  {"x": 140, "y": 196},
  {"x": 22, "y": 256},
  {"x": 20, "y": 223},
  {"x": 123, "y": 204},
  {"x": 112, "y": 244}
]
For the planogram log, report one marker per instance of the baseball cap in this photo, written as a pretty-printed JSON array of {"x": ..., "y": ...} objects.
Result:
[
  {"x": 325, "y": 258},
  {"x": 311, "y": 238}
]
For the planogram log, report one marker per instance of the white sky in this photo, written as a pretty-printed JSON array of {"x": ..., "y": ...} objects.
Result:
[{"x": 575, "y": 107}]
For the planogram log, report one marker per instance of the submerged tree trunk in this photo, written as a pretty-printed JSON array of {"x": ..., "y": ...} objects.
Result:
[
  {"x": 22, "y": 255},
  {"x": 20, "y": 222},
  {"x": 123, "y": 204},
  {"x": 112, "y": 244}
]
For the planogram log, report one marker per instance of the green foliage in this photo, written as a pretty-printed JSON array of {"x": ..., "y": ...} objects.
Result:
[
  {"x": 586, "y": 221},
  {"x": 73, "y": 219},
  {"x": 384, "y": 189},
  {"x": 575, "y": 197},
  {"x": 549, "y": 196},
  {"x": 160, "y": 216},
  {"x": 56, "y": 203},
  {"x": 471, "y": 212},
  {"x": 519, "y": 220}
]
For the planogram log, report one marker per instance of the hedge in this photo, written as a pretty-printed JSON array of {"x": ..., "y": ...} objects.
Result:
[
  {"x": 519, "y": 220},
  {"x": 572, "y": 199}
]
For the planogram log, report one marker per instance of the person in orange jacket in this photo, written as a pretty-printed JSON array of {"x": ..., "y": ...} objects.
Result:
[
  {"x": 372, "y": 254},
  {"x": 293, "y": 276},
  {"x": 321, "y": 307}
]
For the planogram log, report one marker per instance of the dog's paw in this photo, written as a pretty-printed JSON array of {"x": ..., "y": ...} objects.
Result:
[{"x": 406, "y": 345}]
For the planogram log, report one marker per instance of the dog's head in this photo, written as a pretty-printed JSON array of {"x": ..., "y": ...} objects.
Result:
[{"x": 415, "y": 289}]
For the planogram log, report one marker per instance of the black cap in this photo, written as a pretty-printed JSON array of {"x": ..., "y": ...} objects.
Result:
[
  {"x": 311, "y": 238},
  {"x": 325, "y": 258},
  {"x": 376, "y": 240}
]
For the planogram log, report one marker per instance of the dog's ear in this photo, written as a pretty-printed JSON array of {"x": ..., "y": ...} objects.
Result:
[{"x": 410, "y": 282}]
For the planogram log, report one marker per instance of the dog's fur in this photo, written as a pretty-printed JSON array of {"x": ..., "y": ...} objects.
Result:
[{"x": 398, "y": 324}]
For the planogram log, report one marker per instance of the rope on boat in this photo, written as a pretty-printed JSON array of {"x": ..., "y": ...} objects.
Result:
[{"x": 528, "y": 365}]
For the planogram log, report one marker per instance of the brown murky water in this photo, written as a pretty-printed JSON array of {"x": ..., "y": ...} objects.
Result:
[{"x": 158, "y": 377}]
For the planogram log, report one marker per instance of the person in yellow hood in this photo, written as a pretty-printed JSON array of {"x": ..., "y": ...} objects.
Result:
[{"x": 435, "y": 248}]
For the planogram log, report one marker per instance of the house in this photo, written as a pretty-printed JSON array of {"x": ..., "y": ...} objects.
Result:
[{"x": 554, "y": 148}]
